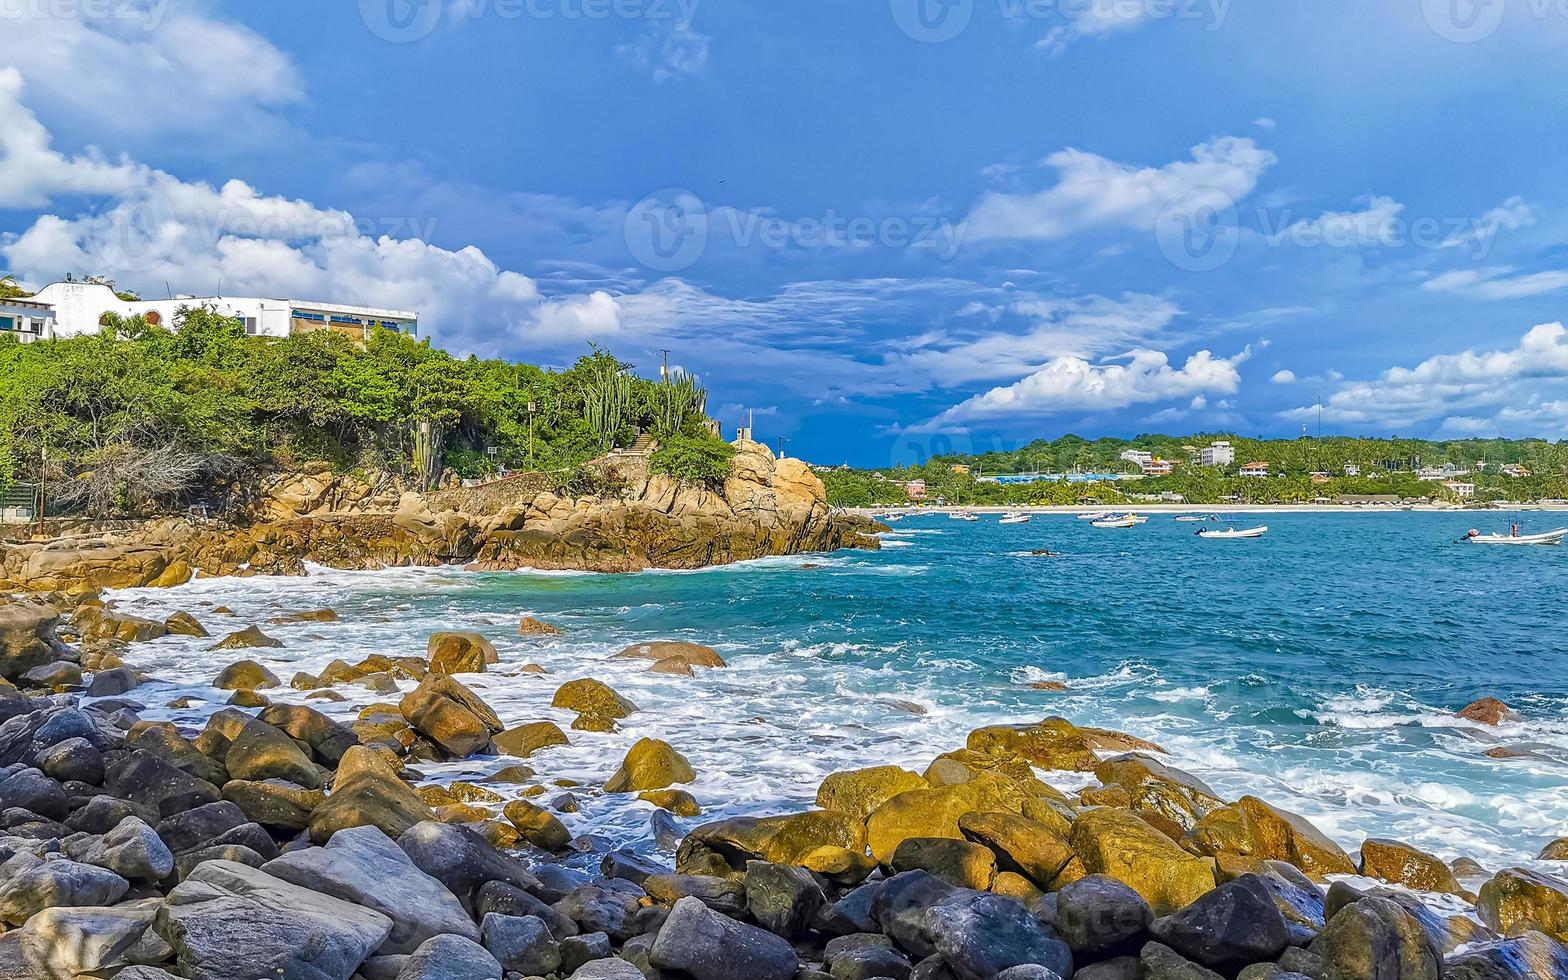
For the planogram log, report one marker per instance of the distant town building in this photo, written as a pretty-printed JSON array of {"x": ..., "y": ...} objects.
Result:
[
  {"x": 1157, "y": 467},
  {"x": 915, "y": 490},
  {"x": 1463, "y": 491},
  {"x": 1218, "y": 454},
  {"x": 962, "y": 469},
  {"x": 1258, "y": 469},
  {"x": 26, "y": 319},
  {"x": 1516, "y": 471},
  {"x": 1138, "y": 457},
  {"x": 76, "y": 308},
  {"x": 1320, "y": 478},
  {"x": 1437, "y": 474},
  {"x": 1352, "y": 469}
]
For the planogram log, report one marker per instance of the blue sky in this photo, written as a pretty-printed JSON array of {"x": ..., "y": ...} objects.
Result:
[{"x": 887, "y": 226}]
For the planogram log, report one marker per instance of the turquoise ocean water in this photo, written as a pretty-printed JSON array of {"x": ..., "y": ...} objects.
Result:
[{"x": 1318, "y": 667}]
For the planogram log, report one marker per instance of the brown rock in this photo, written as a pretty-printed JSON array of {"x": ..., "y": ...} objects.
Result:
[
  {"x": 536, "y": 627},
  {"x": 666, "y": 651},
  {"x": 451, "y": 716},
  {"x": 1054, "y": 743},
  {"x": 251, "y": 637},
  {"x": 1517, "y": 899},
  {"x": 860, "y": 791},
  {"x": 1021, "y": 845},
  {"x": 650, "y": 764},
  {"x": 1488, "y": 711},
  {"x": 957, "y": 862},
  {"x": 593, "y": 698},
  {"x": 305, "y": 616},
  {"x": 368, "y": 792},
  {"x": 1117, "y": 843},
  {"x": 184, "y": 624},
  {"x": 246, "y": 675},
  {"x": 677, "y": 801},
  {"x": 935, "y": 812},
  {"x": 460, "y": 653},
  {"x": 525, "y": 740},
  {"x": 1402, "y": 864},
  {"x": 538, "y": 826}
]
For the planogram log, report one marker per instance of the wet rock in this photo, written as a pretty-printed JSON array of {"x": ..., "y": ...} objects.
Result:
[
  {"x": 34, "y": 885},
  {"x": 451, "y": 716},
  {"x": 1225, "y": 929},
  {"x": 274, "y": 802},
  {"x": 578, "y": 950},
  {"x": 460, "y": 653},
  {"x": 257, "y": 751},
  {"x": 362, "y": 865},
  {"x": 536, "y": 627},
  {"x": 524, "y": 740},
  {"x": 781, "y": 899},
  {"x": 54, "y": 676},
  {"x": 782, "y": 840},
  {"x": 327, "y": 739},
  {"x": 1376, "y": 937},
  {"x": 957, "y": 862},
  {"x": 1299, "y": 901},
  {"x": 936, "y": 812},
  {"x": 1253, "y": 828},
  {"x": 1119, "y": 844},
  {"x": 726, "y": 895},
  {"x": 112, "y": 681},
  {"x": 1402, "y": 864},
  {"x": 462, "y": 860},
  {"x": 710, "y": 946},
  {"x": 1488, "y": 711},
  {"x": 163, "y": 741},
  {"x": 861, "y": 791},
  {"x": 899, "y": 905},
  {"x": 981, "y": 935},
  {"x": 650, "y": 764},
  {"x": 508, "y": 899},
  {"x": 184, "y": 624},
  {"x": 1099, "y": 917},
  {"x": 1516, "y": 898},
  {"x": 131, "y": 850},
  {"x": 677, "y": 801},
  {"x": 592, "y": 698},
  {"x": 667, "y": 654},
  {"x": 245, "y": 675},
  {"x": 1160, "y": 962},
  {"x": 305, "y": 616},
  {"x": 227, "y": 920},
  {"x": 1022, "y": 845},
  {"x": 368, "y": 792},
  {"x": 1054, "y": 743},
  {"x": 538, "y": 826},
  {"x": 249, "y": 638},
  {"x": 31, "y": 790},
  {"x": 1529, "y": 956},
  {"x": 606, "y": 908},
  {"x": 64, "y": 943}
]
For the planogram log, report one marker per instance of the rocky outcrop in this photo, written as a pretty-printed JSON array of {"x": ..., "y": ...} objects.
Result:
[{"x": 766, "y": 507}]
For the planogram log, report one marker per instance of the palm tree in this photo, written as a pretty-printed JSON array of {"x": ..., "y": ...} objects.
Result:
[{"x": 9, "y": 288}]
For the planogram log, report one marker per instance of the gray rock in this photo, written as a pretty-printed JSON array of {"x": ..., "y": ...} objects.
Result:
[
  {"x": 577, "y": 950},
  {"x": 197, "y": 826},
  {"x": 461, "y": 860},
  {"x": 783, "y": 900},
  {"x": 131, "y": 850},
  {"x": 382, "y": 967},
  {"x": 710, "y": 946},
  {"x": 1529, "y": 956},
  {"x": 146, "y": 779},
  {"x": 451, "y": 958},
  {"x": 508, "y": 899},
  {"x": 61, "y": 673},
  {"x": 1235, "y": 925},
  {"x": 61, "y": 943},
  {"x": 900, "y": 904},
  {"x": 145, "y": 973},
  {"x": 601, "y": 908},
  {"x": 981, "y": 935},
  {"x": 31, "y": 790},
  {"x": 1299, "y": 900},
  {"x": 74, "y": 758},
  {"x": 556, "y": 881},
  {"x": 1160, "y": 962},
  {"x": 607, "y": 969},
  {"x": 362, "y": 865},
  {"x": 112, "y": 682},
  {"x": 251, "y": 835},
  {"x": 54, "y": 884},
  {"x": 520, "y": 943},
  {"x": 186, "y": 862},
  {"x": 630, "y": 867},
  {"x": 864, "y": 955},
  {"x": 1028, "y": 971},
  {"x": 1376, "y": 937},
  {"x": 101, "y": 814},
  {"x": 1101, "y": 918},
  {"x": 1116, "y": 968},
  {"x": 228, "y": 920},
  {"x": 851, "y": 913}
]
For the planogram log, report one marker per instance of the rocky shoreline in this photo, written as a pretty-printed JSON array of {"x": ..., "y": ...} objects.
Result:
[
  {"x": 639, "y": 520},
  {"x": 273, "y": 841}
]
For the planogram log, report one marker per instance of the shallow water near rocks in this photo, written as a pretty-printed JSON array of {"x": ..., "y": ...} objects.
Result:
[{"x": 1318, "y": 668}]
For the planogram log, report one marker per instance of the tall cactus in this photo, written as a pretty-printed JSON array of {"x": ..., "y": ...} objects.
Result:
[
  {"x": 676, "y": 398},
  {"x": 607, "y": 401}
]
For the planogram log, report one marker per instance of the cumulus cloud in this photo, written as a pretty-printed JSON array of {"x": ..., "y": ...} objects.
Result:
[
  {"x": 669, "y": 51},
  {"x": 1094, "y": 193},
  {"x": 1097, "y": 20},
  {"x": 1375, "y": 225},
  {"x": 1067, "y": 384},
  {"x": 1467, "y": 384},
  {"x": 1284, "y": 377}
]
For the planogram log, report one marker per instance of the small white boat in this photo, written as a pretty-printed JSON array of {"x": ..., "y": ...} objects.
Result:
[
  {"x": 1102, "y": 515},
  {"x": 1197, "y": 518},
  {"x": 1549, "y": 537},
  {"x": 1015, "y": 518},
  {"x": 1115, "y": 522},
  {"x": 1227, "y": 534}
]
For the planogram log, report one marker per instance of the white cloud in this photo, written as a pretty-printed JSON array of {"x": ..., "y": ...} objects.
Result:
[
  {"x": 669, "y": 51},
  {"x": 596, "y": 316},
  {"x": 1468, "y": 384},
  {"x": 1498, "y": 283},
  {"x": 1284, "y": 377},
  {"x": 1092, "y": 192},
  {"x": 1068, "y": 384},
  {"x": 139, "y": 69},
  {"x": 1264, "y": 122},
  {"x": 1376, "y": 225},
  {"x": 1098, "y": 20}
]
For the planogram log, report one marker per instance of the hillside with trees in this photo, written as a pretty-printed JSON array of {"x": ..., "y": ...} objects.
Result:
[{"x": 139, "y": 418}]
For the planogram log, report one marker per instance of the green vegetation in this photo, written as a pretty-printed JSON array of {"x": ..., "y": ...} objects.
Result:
[
  {"x": 139, "y": 418},
  {"x": 10, "y": 290},
  {"x": 1387, "y": 467}
]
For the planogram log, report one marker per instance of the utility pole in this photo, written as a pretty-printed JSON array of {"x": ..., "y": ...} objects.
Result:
[
  {"x": 664, "y": 369},
  {"x": 532, "y": 407},
  {"x": 43, "y": 474},
  {"x": 782, "y": 441}
]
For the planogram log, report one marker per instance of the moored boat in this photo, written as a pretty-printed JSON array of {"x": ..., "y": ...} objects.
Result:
[
  {"x": 1225, "y": 534},
  {"x": 1545, "y": 538},
  {"x": 1115, "y": 522},
  {"x": 1015, "y": 517}
]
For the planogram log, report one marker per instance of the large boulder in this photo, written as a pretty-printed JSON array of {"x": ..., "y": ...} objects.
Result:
[
  {"x": 1402, "y": 864},
  {"x": 538, "y": 826},
  {"x": 1235, "y": 925},
  {"x": 462, "y": 860},
  {"x": 524, "y": 740},
  {"x": 66, "y": 943},
  {"x": 782, "y": 899},
  {"x": 37, "y": 885},
  {"x": 1517, "y": 898},
  {"x": 593, "y": 698},
  {"x": 935, "y": 812},
  {"x": 1054, "y": 743},
  {"x": 1488, "y": 711},
  {"x": 131, "y": 850},
  {"x": 27, "y": 637},
  {"x": 1528, "y": 956},
  {"x": 274, "y": 803},
  {"x": 245, "y": 675},
  {"x": 258, "y": 751},
  {"x": 782, "y": 840},
  {"x": 1376, "y": 937},
  {"x": 1099, "y": 918},
  {"x": 228, "y": 920},
  {"x": 860, "y": 791},
  {"x": 710, "y": 946},
  {"x": 666, "y": 653},
  {"x": 1253, "y": 828},
  {"x": 249, "y": 638},
  {"x": 460, "y": 653},
  {"x": 327, "y": 739},
  {"x": 957, "y": 862},
  {"x": 451, "y": 716},
  {"x": 650, "y": 764},
  {"x": 981, "y": 935},
  {"x": 368, "y": 792},
  {"x": 1119, "y": 844},
  {"x": 1022, "y": 846},
  {"x": 364, "y": 866}
]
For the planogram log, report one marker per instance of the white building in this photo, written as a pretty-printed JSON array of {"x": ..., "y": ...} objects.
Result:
[
  {"x": 1463, "y": 491},
  {"x": 1447, "y": 471},
  {"x": 78, "y": 308},
  {"x": 26, "y": 319},
  {"x": 1255, "y": 470},
  {"x": 1157, "y": 467},
  {"x": 1218, "y": 454},
  {"x": 1352, "y": 469},
  {"x": 1138, "y": 457}
]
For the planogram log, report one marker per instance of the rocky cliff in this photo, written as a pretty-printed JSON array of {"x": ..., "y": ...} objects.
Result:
[{"x": 766, "y": 506}]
